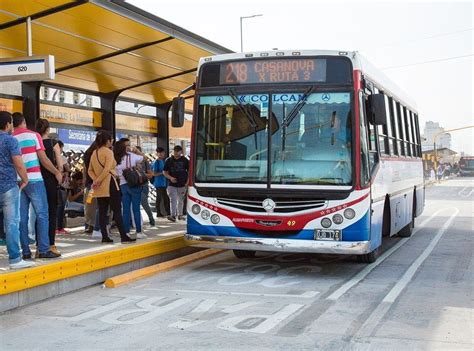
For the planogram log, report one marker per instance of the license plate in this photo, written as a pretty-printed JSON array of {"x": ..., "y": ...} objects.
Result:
[{"x": 327, "y": 234}]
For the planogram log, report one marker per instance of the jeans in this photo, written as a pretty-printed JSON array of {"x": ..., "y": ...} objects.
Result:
[
  {"x": 146, "y": 204},
  {"x": 51, "y": 185},
  {"x": 2, "y": 230},
  {"x": 62, "y": 197},
  {"x": 75, "y": 206},
  {"x": 162, "y": 201},
  {"x": 90, "y": 210},
  {"x": 34, "y": 193},
  {"x": 10, "y": 208},
  {"x": 114, "y": 202},
  {"x": 131, "y": 196},
  {"x": 176, "y": 199}
]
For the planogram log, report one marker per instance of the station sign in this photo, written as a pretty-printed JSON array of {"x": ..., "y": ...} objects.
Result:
[
  {"x": 24, "y": 69},
  {"x": 135, "y": 123}
]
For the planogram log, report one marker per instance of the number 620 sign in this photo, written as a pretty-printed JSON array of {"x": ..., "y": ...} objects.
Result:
[{"x": 31, "y": 68}]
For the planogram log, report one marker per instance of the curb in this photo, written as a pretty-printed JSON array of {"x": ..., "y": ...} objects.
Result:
[
  {"x": 157, "y": 268},
  {"x": 62, "y": 269}
]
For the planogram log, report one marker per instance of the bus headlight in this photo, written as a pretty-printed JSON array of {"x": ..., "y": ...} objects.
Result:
[
  {"x": 337, "y": 218},
  {"x": 326, "y": 222},
  {"x": 215, "y": 219},
  {"x": 349, "y": 213},
  {"x": 196, "y": 209},
  {"x": 205, "y": 214}
]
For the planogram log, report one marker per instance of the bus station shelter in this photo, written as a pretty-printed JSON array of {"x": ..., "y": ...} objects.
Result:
[
  {"x": 115, "y": 52},
  {"x": 109, "y": 49}
]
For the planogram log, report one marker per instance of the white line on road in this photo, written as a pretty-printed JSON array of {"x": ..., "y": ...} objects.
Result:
[
  {"x": 403, "y": 282},
  {"x": 305, "y": 295},
  {"x": 461, "y": 192},
  {"x": 363, "y": 273},
  {"x": 374, "y": 319}
]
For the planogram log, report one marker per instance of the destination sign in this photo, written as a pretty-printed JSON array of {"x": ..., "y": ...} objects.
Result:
[{"x": 262, "y": 71}]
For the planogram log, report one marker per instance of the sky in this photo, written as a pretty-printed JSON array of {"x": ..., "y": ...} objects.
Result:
[{"x": 426, "y": 48}]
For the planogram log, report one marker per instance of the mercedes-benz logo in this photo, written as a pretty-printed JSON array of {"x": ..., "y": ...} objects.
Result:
[
  {"x": 220, "y": 99},
  {"x": 326, "y": 97},
  {"x": 268, "y": 205}
]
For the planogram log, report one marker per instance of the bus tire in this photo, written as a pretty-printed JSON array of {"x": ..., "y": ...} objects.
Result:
[
  {"x": 370, "y": 257},
  {"x": 407, "y": 230},
  {"x": 244, "y": 253}
]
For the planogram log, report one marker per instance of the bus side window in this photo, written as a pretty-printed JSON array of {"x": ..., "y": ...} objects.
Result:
[
  {"x": 392, "y": 132},
  {"x": 401, "y": 146}
]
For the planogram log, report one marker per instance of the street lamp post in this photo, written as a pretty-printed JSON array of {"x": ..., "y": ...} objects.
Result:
[{"x": 241, "y": 37}]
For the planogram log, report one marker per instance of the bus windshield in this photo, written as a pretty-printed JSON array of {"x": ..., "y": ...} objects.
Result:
[{"x": 309, "y": 142}]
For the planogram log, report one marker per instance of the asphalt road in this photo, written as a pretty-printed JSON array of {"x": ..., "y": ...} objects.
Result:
[{"x": 418, "y": 295}]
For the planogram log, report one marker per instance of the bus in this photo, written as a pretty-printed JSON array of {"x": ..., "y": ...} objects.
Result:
[
  {"x": 300, "y": 151},
  {"x": 466, "y": 166}
]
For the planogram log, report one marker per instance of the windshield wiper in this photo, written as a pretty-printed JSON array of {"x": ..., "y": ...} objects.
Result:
[
  {"x": 294, "y": 112},
  {"x": 249, "y": 115}
]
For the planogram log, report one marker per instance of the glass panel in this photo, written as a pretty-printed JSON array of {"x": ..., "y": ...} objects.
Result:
[
  {"x": 408, "y": 138},
  {"x": 232, "y": 139},
  {"x": 364, "y": 146},
  {"x": 387, "y": 128},
  {"x": 311, "y": 144},
  {"x": 401, "y": 114},
  {"x": 393, "y": 124}
]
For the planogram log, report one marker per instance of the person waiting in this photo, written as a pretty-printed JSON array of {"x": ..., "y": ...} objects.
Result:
[{"x": 75, "y": 199}]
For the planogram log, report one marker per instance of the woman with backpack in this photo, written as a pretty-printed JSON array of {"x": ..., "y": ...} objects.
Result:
[
  {"x": 105, "y": 186},
  {"x": 132, "y": 179}
]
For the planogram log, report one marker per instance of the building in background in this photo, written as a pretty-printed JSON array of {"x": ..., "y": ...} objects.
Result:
[{"x": 429, "y": 132}]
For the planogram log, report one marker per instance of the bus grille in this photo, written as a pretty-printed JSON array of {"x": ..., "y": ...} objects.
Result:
[{"x": 285, "y": 205}]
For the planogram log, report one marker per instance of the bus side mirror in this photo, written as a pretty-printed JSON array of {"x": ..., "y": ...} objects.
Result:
[
  {"x": 177, "y": 112},
  {"x": 377, "y": 111}
]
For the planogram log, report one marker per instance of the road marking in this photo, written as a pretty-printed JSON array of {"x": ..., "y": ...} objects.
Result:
[
  {"x": 461, "y": 192},
  {"x": 370, "y": 267},
  {"x": 407, "y": 277},
  {"x": 305, "y": 295},
  {"x": 376, "y": 316},
  {"x": 259, "y": 323},
  {"x": 99, "y": 309}
]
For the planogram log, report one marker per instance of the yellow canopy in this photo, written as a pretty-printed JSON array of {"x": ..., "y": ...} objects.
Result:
[{"x": 106, "y": 46}]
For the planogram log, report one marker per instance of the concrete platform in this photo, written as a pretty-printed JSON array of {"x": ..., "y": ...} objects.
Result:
[{"x": 85, "y": 262}]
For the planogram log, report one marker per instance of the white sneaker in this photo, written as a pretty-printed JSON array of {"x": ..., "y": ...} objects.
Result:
[
  {"x": 141, "y": 236},
  {"x": 96, "y": 234},
  {"x": 21, "y": 264}
]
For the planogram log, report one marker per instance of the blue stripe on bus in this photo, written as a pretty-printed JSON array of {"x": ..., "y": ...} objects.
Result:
[{"x": 358, "y": 231}]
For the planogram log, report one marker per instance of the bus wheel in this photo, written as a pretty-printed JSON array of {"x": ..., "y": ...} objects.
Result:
[
  {"x": 244, "y": 253},
  {"x": 370, "y": 257},
  {"x": 407, "y": 230}
]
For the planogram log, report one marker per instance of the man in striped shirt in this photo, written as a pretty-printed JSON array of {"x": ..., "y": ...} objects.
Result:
[{"x": 32, "y": 152}]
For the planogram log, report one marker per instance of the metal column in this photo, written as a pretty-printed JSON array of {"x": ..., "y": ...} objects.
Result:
[
  {"x": 31, "y": 103},
  {"x": 162, "y": 111}
]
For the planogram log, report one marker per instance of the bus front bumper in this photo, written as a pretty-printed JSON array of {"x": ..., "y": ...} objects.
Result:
[{"x": 279, "y": 245}]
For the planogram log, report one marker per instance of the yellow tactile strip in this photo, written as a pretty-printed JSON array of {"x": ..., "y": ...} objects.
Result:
[
  {"x": 157, "y": 268},
  {"x": 62, "y": 269}
]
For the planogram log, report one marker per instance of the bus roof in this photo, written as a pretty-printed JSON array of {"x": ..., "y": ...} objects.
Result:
[{"x": 359, "y": 62}]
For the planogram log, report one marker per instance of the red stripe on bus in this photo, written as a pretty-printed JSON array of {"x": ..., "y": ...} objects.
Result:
[
  {"x": 297, "y": 222},
  {"x": 357, "y": 87}
]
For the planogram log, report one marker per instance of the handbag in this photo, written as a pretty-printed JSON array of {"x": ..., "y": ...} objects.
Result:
[{"x": 135, "y": 176}]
